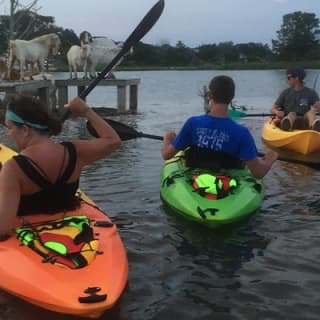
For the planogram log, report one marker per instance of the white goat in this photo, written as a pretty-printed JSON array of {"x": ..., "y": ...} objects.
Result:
[
  {"x": 33, "y": 51},
  {"x": 103, "y": 50},
  {"x": 77, "y": 57}
]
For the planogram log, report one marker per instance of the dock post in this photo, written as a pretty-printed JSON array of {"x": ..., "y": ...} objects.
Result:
[
  {"x": 120, "y": 84},
  {"x": 133, "y": 103},
  {"x": 43, "y": 94},
  {"x": 122, "y": 98},
  {"x": 62, "y": 96}
]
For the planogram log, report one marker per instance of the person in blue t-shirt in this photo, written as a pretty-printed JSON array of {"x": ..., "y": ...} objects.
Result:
[{"x": 217, "y": 133}]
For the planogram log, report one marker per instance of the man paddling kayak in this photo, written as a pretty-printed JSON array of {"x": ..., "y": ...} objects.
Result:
[
  {"x": 297, "y": 103},
  {"x": 215, "y": 138},
  {"x": 44, "y": 177}
]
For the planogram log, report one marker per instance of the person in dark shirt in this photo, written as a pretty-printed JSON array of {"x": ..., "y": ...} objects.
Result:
[
  {"x": 297, "y": 103},
  {"x": 44, "y": 177}
]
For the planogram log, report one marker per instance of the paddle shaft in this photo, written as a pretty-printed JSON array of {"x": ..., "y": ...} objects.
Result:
[
  {"x": 262, "y": 115},
  {"x": 150, "y": 136},
  {"x": 139, "y": 32},
  {"x": 305, "y": 163},
  {"x": 258, "y": 115}
]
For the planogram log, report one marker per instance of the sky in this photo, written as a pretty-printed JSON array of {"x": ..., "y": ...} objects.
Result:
[{"x": 194, "y": 22}]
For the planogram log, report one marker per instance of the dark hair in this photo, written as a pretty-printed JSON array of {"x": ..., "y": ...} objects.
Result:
[
  {"x": 296, "y": 72},
  {"x": 222, "y": 88},
  {"x": 33, "y": 110}
]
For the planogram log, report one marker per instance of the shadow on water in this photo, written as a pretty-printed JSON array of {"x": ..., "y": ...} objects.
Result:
[
  {"x": 201, "y": 273},
  {"x": 226, "y": 248}
]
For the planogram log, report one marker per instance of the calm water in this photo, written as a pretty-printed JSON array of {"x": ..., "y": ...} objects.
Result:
[{"x": 264, "y": 268}]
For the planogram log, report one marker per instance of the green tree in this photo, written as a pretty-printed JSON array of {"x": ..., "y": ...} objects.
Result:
[
  {"x": 14, "y": 19},
  {"x": 181, "y": 55},
  {"x": 144, "y": 54},
  {"x": 254, "y": 52},
  {"x": 227, "y": 52},
  {"x": 208, "y": 53},
  {"x": 296, "y": 37},
  {"x": 30, "y": 25}
]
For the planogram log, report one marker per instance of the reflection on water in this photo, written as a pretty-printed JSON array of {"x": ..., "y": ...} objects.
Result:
[{"x": 264, "y": 268}]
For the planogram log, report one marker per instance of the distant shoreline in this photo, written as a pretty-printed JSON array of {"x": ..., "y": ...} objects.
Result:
[{"x": 230, "y": 66}]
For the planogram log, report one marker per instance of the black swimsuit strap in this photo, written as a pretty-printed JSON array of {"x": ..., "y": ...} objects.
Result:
[
  {"x": 72, "y": 161},
  {"x": 32, "y": 171},
  {"x": 36, "y": 174}
]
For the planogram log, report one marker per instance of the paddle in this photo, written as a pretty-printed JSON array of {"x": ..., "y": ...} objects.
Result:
[
  {"x": 139, "y": 32},
  {"x": 126, "y": 133},
  {"x": 235, "y": 114},
  {"x": 312, "y": 165}
]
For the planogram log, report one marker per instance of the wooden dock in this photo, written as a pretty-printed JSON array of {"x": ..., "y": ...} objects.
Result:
[
  {"x": 122, "y": 88},
  {"x": 54, "y": 93},
  {"x": 40, "y": 88}
]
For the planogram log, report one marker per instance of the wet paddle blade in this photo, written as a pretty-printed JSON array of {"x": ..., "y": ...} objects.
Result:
[
  {"x": 139, "y": 32},
  {"x": 125, "y": 132}
]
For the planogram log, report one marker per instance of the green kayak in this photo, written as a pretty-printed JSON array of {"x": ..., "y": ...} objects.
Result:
[{"x": 178, "y": 191}]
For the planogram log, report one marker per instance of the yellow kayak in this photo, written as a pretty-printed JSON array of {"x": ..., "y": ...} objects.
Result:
[{"x": 301, "y": 141}]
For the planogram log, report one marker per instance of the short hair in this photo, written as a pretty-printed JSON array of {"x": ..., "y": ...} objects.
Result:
[
  {"x": 296, "y": 72},
  {"x": 222, "y": 89}
]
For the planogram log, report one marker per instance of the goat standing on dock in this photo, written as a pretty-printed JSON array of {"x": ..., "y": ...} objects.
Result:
[
  {"x": 77, "y": 57},
  {"x": 103, "y": 50},
  {"x": 33, "y": 51}
]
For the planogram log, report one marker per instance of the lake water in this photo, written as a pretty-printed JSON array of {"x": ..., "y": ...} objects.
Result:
[{"x": 264, "y": 268}]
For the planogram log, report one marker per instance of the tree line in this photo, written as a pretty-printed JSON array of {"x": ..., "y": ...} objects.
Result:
[{"x": 298, "y": 39}]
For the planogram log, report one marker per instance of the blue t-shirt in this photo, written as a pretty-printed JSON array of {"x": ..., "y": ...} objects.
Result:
[{"x": 218, "y": 134}]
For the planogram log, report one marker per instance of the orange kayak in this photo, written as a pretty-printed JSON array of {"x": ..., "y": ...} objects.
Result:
[
  {"x": 302, "y": 141},
  {"x": 87, "y": 291}
]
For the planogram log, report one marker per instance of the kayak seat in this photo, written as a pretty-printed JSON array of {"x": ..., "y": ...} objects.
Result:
[{"x": 203, "y": 158}]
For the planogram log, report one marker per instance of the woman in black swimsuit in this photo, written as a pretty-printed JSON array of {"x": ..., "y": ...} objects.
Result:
[{"x": 44, "y": 176}]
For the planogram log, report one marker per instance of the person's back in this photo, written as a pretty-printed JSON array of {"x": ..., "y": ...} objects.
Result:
[
  {"x": 50, "y": 194},
  {"x": 44, "y": 169},
  {"x": 215, "y": 131},
  {"x": 212, "y": 136}
]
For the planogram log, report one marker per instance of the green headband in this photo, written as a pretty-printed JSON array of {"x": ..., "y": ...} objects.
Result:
[{"x": 10, "y": 115}]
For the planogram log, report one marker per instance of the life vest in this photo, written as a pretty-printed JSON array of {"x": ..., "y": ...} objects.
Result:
[
  {"x": 68, "y": 242},
  {"x": 212, "y": 186}
]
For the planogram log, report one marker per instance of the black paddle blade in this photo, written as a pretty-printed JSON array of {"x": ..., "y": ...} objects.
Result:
[
  {"x": 125, "y": 132},
  {"x": 145, "y": 25},
  {"x": 139, "y": 32}
]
